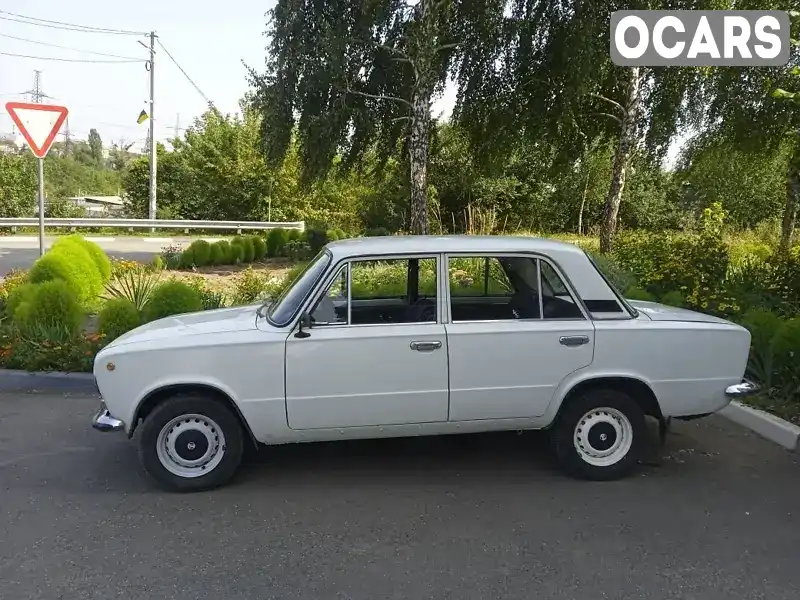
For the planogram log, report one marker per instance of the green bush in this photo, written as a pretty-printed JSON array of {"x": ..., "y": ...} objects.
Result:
[
  {"x": 785, "y": 346},
  {"x": 70, "y": 262},
  {"x": 117, "y": 317},
  {"x": 276, "y": 240},
  {"x": 332, "y": 235},
  {"x": 225, "y": 248},
  {"x": 259, "y": 247},
  {"x": 158, "y": 263},
  {"x": 187, "y": 260},
  {"x": 212, "y": 299},
  {"x": 202, "y": 252},
  {"x": 620, "y": 277},
  {"x": 637, "y": 293},
  {"x": 97, "y": 254},
  {"x": 20, "y": 294},
  {"x": 295, "y": 234},
  {"x": 237, "y": 253},
  {"x": 135, "y": 285},
  {"x": 216, "y": 255},
  {"x": 247, "y": 245},
  {"x": 250, "y": 287},
  {"x": 338, "y": 234},
  {"x": 172, "y": 298},
  {"x": 377, "y": 232},
  {"x": 316, "y": 239},
  {"x": 49, "y": 304},
  {"x": 673, "y": 298}
]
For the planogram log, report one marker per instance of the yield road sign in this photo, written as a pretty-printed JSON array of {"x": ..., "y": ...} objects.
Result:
[{"x": 38, "y": 123}]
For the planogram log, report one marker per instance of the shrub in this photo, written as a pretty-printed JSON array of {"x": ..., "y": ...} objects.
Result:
[
  {"x": 377, "y": 232},
  {"x": 785, "y": 346},
  {"x": 172, "y": 298},
  {"x": 225, "y": 248},
  {"x": 71, "y": 263},
  {"x": 19, "y": 295},
  {"x": 237, "y": 253},
  {"x": 117, "y": 317},
  {"x": 212, "y": 299},
  {"x": 294, "y": 234},
  {"x": 201, "y": 250},
  {"x": 158, "y": 264},
  {"x": 276, "y": 240},
  {"x": 619, "y": 276},
  {"x": 135, "y": 286},
  {"x": 13, "y": 279},
  {"x": 250, "y": 287},
  {"x": 172, "y": 256},
  {"x": 95, "y": 252},
  {"x": 297, "y": 250},
  {"x": 673, "y": 298},
  {"x": 316, "y": 239},
  {"x": 332, "y": 235},
  {"x": 259, "y": 247},
  {"x": 247, "y": 247},
  {"x": 216, "y": 255},
  {"x": 637, "y": 293},
  {"x": 186, "y": 260},
  {"x": 49, "y": 304}
]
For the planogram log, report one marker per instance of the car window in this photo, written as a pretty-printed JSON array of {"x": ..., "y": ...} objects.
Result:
[
  {"x": 393, "y": 291},
  {"x": 511, "y": 288},
  {"x": 288, "y": 303},
  {"x": 331, "y": 308}
]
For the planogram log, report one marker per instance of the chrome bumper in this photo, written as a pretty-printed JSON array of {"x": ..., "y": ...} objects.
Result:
[
  {"x": 741, "y": 390},
  {"x": 103, "y": 421}
]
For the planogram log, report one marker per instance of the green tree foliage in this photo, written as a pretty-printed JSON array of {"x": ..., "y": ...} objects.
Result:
[
  {"x": 17, "y": 186},
  {"x": 96, "y": 146}
]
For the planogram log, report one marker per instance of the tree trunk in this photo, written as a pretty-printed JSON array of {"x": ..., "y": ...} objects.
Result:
[
  {"x": 792, "y": 200},
  {"x": 627, "y": 145},
  {"x": 418, "y": 158},
  {"x": 583, "y": 204}
]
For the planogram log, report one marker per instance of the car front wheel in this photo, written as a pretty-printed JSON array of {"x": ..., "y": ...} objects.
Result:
[
  {"x": 191, "y": 443},
  {"x": 600, "y": 435}
]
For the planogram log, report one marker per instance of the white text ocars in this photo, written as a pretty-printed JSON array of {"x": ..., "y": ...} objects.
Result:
[{"x": 420, "y": 335}]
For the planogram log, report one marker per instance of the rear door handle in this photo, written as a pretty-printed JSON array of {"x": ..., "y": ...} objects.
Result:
[
  {"x": 426, "y": 346},
  {"x": 573, "y": 340}
]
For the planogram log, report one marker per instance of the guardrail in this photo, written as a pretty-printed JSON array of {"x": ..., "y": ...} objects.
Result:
[{"x": 14, "y": 222}]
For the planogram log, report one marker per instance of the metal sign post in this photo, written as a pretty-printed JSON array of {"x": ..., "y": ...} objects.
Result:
[{"x": 39, "y": 125}]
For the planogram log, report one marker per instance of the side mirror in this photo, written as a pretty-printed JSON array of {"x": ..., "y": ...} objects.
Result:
[{"x": 305, "y": 323}]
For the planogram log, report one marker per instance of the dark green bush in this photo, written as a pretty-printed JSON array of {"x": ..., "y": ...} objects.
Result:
[
  {"x": 202, "y": 252},
  {"x": 377, "y": 232},
  {"x": 620, "y": 277},
  {"x": 73, "y": 264},
  {"x": 295, "y": 234},
  {"x": 637, "y": 293},
  {"x": 187, "y": 258},
  {"x": 50, "y": 304},
  {"x": 21, "y": 293},
  {"x": 259, "y": 247},
  {"x": 225, "y": 248},
  {"x": 316, "y": 239},
  {"x": 673, "y": 298},
  {"x": 236, "y": 253},
  {"x": 276, "y": 240},
  {"x": 117, "y": 317},
  {"x": 172, "y": 298},
  {"x": 216, "y": 255},
  {"x": 247, "y": 245}
]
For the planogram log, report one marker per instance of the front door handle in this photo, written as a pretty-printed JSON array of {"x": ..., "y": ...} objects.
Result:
[
  {"x": 573, "y": 340},
  {"x": 426, "y": 346}
]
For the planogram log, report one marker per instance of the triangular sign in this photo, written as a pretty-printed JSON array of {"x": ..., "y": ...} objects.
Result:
[{"x": 38, "y": 123}]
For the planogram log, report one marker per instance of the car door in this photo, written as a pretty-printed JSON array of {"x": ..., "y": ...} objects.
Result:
[
  {"x": 376, "y": 353},
  {"x": 509, "y": 351}
]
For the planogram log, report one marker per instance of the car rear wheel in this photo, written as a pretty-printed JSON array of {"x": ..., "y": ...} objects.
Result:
[
  {"x": 600, "y": 435},
  {"x": 191, "y": 443}
]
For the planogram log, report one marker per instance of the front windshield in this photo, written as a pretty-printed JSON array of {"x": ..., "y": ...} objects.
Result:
[{"x": 284, "y": 308}]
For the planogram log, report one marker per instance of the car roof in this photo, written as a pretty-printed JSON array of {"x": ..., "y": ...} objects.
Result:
[{"x": 402, "y": 244}]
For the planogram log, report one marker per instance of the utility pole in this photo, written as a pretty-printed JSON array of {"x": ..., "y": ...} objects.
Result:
[
  {"x": 152, "y": 135},
  {"x": 66, "y": 137},
  {"x": 36, "y": 92},
  {"x": 177, "y": 124}
]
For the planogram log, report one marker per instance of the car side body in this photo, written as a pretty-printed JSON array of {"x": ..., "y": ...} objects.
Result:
[{"x": 292, "y": 378}]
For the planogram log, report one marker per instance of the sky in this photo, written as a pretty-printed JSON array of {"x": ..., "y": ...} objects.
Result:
[{"x": 209, "y": 40}]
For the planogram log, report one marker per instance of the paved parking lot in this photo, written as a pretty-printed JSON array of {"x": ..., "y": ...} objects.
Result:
[{"x": 484, "y": 517}]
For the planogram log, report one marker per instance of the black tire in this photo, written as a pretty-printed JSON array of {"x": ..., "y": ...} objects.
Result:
[
  {"x": 563, "y": 433},
  {"x": 172, "y": 408}
]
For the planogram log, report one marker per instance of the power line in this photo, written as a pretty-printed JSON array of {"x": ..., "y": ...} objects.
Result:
[
  {"x": 185, "y": 74},
  {"x": 13, "y": 37},
  {"x": 17, "y": 18},
  {"x": 72, "y": 60}
]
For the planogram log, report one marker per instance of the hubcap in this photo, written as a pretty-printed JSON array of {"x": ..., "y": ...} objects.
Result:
[
  {"x": 190, "y": 445},
  {"x": 603, "y": 437}
]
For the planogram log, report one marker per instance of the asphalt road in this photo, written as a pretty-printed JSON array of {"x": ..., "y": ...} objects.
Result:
[
  {"x": 19, "y": 252},
  {"x": 483, "y": 517}
]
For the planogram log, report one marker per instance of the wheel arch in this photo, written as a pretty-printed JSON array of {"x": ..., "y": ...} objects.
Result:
[
  {"x": 160, "y": 394},
  {"x": 637, "y": 389}
]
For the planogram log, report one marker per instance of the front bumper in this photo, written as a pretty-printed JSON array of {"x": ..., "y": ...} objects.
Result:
[
  {"x": 103, "y": 421},
  {"x": 742, "y": 390}
]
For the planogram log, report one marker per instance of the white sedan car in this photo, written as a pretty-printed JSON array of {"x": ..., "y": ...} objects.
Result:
[{"x": 420, "y": 335}]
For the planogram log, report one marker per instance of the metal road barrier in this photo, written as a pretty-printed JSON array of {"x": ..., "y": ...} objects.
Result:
[{"x": 150, "y": 224}]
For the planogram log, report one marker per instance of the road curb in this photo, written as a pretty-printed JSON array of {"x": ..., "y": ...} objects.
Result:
[
  {"x": 12, "y": 380},
  {"x": 766, "y": 425}
]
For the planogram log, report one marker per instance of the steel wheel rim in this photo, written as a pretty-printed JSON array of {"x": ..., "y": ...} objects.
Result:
[
  {"x": 190, "y": 446},
  {"x": 603, "y": 437}
]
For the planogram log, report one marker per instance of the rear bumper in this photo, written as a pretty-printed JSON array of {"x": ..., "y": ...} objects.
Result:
[
  {"x": 741, "y": 390},
  {"x": 103, "y": 421}
]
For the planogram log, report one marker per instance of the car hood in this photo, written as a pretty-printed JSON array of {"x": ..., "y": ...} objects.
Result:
[
  {"x": 661, "y": 312},
  {"x": 223, "y": 320}
]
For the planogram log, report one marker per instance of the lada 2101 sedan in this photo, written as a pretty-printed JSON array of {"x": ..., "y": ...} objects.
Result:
[{"x": 420, "y": 335}]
